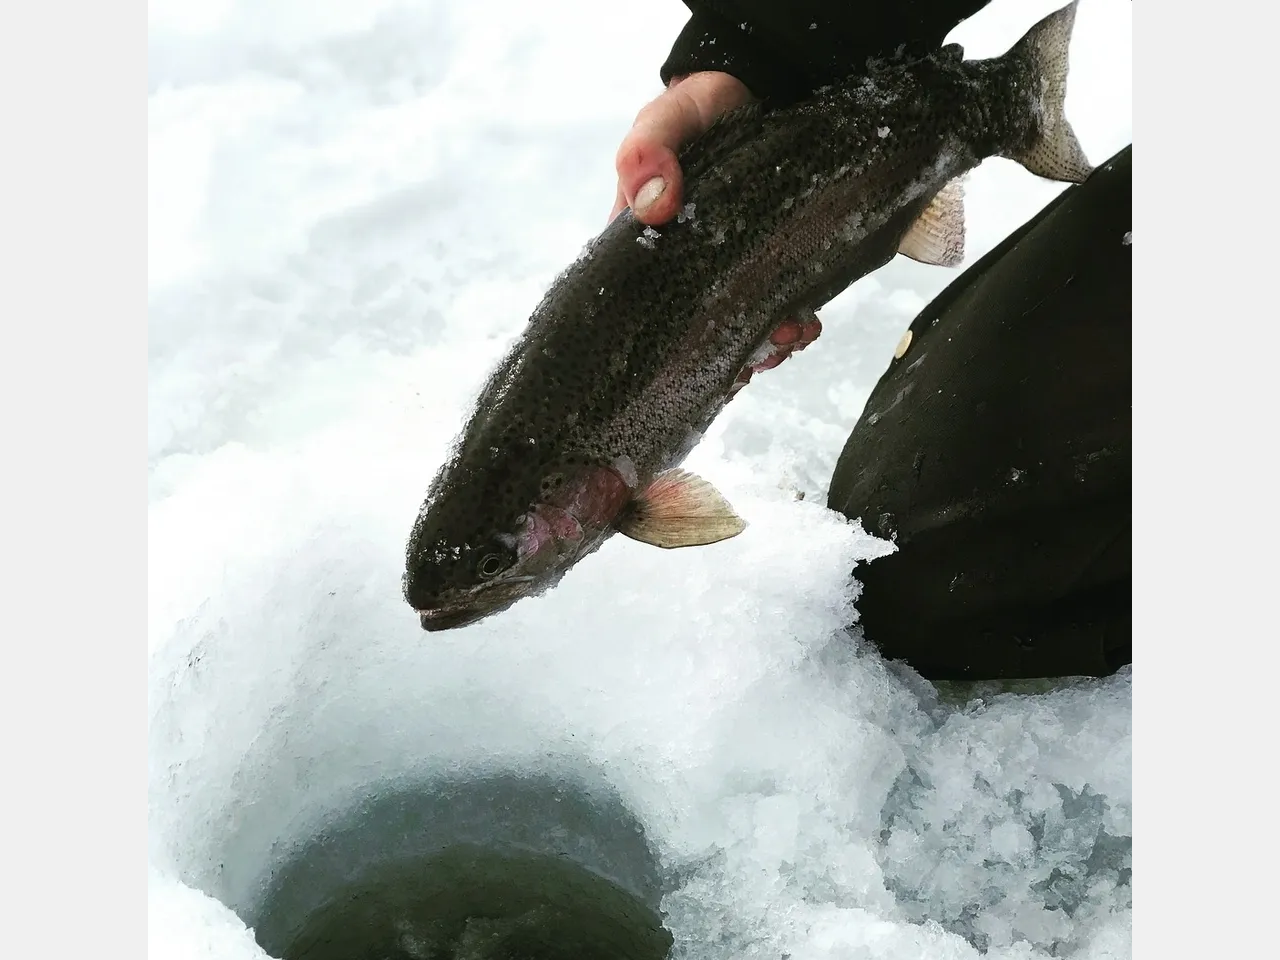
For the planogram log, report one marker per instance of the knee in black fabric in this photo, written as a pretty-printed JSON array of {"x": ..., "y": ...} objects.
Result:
[{"x": 997, "y": 452}]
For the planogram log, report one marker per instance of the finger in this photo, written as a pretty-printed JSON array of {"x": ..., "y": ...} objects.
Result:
[{"x": 649, "y": 174}]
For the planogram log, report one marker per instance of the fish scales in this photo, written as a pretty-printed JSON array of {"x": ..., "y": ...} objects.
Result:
[
  {"x": 675, "y": 346},
  {"x": 635, "y": 347}
]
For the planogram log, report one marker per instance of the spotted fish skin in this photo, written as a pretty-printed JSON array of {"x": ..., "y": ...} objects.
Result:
[{"x": 636, "y": 347}]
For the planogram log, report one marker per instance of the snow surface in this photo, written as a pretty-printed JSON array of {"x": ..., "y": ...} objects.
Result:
[{"x": 352, "y": 210}]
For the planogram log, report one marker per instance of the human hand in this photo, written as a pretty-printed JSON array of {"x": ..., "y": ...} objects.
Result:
[
  {"x": 649, "y": 178},
  {"x": 651, "y": 183}
]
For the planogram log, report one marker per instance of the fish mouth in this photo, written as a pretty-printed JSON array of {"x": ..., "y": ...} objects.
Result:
[
  {"x": 482, "y": 603},
  {"x": 434, "y": 621}
]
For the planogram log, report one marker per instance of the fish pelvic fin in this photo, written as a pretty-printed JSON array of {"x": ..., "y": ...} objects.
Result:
[
  {"x": 680, "y": 509},
  {"x": 1054, "y": 152},
  {"x": 937, "y": 236}
]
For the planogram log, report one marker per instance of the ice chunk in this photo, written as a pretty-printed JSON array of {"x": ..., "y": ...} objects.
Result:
[{"x": 185, "y": 924}]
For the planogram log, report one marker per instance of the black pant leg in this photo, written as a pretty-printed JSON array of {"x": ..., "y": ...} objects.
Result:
[{"x": 997, "y": 450}]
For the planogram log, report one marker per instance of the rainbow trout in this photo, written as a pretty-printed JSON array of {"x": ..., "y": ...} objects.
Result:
[{"x": 639, "y": 344}]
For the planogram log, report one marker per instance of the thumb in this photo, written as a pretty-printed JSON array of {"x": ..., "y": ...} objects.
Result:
[{"x": 649, "y": 177}]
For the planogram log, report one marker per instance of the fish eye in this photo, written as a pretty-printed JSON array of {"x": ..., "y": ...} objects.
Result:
[{"x": 490, "y": 565}]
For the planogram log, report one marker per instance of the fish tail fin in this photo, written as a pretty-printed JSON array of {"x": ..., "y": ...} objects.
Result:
[{"x": 1053, "y": 152}]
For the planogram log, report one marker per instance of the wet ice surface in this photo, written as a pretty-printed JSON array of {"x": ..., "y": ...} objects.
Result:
[{"x": 352, "y": 212}]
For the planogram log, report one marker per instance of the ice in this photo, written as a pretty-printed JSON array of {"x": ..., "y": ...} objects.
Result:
[
  {"x": 341, "y": 204},
  {"x": 185, "y": 924}
]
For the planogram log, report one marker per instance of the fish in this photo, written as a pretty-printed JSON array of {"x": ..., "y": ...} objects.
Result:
[{"x": 580, "y": 430}]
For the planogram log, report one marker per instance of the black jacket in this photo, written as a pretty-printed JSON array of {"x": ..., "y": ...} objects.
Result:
[{"x": 784, "y": 49}]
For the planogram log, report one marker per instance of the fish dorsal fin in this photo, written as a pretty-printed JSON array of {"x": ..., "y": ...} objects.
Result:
[
  {"x": 680, "y": 509},
  {"x": 937, "y": 236}
]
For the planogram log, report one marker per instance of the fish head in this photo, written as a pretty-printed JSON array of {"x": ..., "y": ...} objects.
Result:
[{"x": 468, "y": 560}]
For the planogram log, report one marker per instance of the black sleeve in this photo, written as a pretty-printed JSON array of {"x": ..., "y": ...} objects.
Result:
[{"x": 783, "y": 51}]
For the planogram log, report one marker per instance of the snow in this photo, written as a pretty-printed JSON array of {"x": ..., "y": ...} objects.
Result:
[
  {"x": 352, "y": 210},
  {"x": 185, "y": 924}
]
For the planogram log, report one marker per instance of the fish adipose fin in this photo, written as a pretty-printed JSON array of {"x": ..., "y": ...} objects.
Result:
[
  {"x": 680, "y": 509},
  {"x": 937, "y": 236},
  {"x": 1055, "y": 153}
]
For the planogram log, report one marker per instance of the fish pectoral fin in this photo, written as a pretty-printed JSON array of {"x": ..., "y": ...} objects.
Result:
[
  {"x": 680, "y": 509},
  {"x": 937, "y": 236}
]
